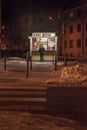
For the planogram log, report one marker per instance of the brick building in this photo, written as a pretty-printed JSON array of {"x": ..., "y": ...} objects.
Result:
[
  {"x": 70, "y": 26},
  {"x": 0, "y": 20},
  {"x": 73, "y": 40}
]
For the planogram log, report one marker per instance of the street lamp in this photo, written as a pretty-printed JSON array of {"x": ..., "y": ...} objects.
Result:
[{"x": 50, "y": 22}]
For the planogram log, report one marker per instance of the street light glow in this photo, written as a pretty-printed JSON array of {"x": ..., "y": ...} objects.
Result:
[{"x": 50, "y": 18}]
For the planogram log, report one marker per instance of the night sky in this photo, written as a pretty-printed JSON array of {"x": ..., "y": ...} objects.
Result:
[
  {"x": 10, "y": 6},
  {"x": 16, "y": 14}
]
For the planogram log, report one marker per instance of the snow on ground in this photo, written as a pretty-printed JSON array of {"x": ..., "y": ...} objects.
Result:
[
  {"x": 14, "y": 120},
  {"x": 74, "y": 74},
  {"x": 10, "y": 120}
]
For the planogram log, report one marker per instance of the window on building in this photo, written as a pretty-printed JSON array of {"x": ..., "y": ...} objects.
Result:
[
  {"x": 86, "y": 42},
  {"x": 86, "y": 10},
  {"x": 79, "y": 28},
  {"x": 71, "y": 15},
  {"x": 86, "y": 26},
  {"x": 71, "y": 29},
  {"x": 78, "y": 12},
  {"x": 71, "y": 44},
  {"x": 26, "y": 20},
  {"x": 65, "y": 28},
  {"x": 79, "y": 43},
  {"x": 40, "y": 19},
  {"x": 59, "y": 15},
  {"x": 65, "y": 44},
  {"x": 65, "y": 16}
]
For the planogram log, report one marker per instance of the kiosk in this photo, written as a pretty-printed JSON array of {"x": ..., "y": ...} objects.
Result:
[{"x": 49, "y": 42}]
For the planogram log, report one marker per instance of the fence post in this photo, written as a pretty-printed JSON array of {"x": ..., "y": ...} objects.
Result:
[
  {"x": 30, "y": 63},
  {"x": 65, "y": 61},
  {"x": 55, "y": 63},
  {"x": 5, "y": 62},
  {"x": 27, "y": 74}
]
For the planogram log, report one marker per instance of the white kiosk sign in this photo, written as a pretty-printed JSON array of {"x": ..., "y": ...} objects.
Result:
[{"x": 43, "y": 34}]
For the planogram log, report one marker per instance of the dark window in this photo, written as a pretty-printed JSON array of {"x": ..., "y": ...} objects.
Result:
[
  {"x": 35, "y": 21},
  {"x": 78, "y": 12},
  {"x": 86, "y": 26},
  {"x": 71, "y": 54},
  {"x": 86, "y": 10},
  {"x": 79, "y": 43},
  {"x": 79, "y": 28},
  {"x": 71, "y": 29},
  {"x": 71, "y": 44},
  {"x": 40, "y": 19},
  {"x": 65, "y": 16},
  {"x": 65, "y": 44},
  {"x": 86, "y": 42},
  {"x": 10, "y": 37},
  {"x": 26, "y": 20},
  {"x": 65, "y": 29}
]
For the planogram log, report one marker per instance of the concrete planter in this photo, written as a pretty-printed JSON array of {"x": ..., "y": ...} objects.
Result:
[{"x": 71, "y": 102}]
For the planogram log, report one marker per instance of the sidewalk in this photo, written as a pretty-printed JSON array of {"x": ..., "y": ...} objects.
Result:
[{"x": 15, "y": 75}]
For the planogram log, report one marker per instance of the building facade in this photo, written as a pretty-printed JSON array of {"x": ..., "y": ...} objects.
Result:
[
  {"x": 69, "y": 25},
  {"x": 74, "y": 32},
  {"x": 0, "y": 21}
]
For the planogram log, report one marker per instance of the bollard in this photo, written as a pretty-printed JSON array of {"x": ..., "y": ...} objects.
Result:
[
  {"x": 55, "y": 64},
  {"x": 27, "y": 74},
  {"x": 65, "y": 60},
  {"x": 4, "y": 62},
  {"x": 30, "y": 63}
]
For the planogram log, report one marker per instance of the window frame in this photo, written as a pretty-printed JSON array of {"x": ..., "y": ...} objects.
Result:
[
  {"x": 71, "y": 29},
  {"x": 71, "y": 44},
  {"x": 78, "y": 43},
  {"x": 78, "y": 27}
]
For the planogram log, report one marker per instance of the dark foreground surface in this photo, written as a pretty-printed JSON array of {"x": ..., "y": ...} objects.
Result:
[
  {"x": 18, "y": 113},
  {"x": 14, "y": 120}
]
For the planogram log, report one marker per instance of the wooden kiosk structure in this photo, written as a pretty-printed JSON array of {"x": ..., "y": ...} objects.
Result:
[{"x": 48, "y": 40}]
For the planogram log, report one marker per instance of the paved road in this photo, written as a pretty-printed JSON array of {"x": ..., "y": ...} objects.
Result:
[
  {"x": 23, "y": 99},
  {"x": 20, "y": 93},
  {"x": 15, "y": 74}
]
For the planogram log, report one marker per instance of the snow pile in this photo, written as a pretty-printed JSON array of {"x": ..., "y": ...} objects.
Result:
[
  {"x": 76, "y": 72},
  {"x": 74, "y": 75}
]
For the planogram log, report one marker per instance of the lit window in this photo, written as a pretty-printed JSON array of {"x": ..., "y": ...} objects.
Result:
[
  {"x": 79, "y": 43},
  {"x": 59, "y": 16},
  {"x": 71, "y": 14}
]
